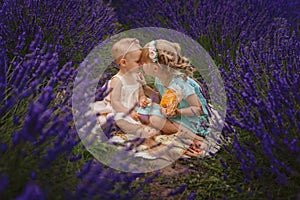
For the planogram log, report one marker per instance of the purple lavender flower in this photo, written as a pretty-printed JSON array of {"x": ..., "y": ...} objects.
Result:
[
  {"x": 33, "y": 175},
  {"x": 177, "y": 191},
  {"x": 3, "y": 63},
  {"x": 76, "y": 34},
  {"x": 256, "y": 45},
  {"x": 258, "y": 55},
  {"x": 97, "y": 181},
  {"x": 32, "y": 191},
  {"x": 41, "y": 46},
  {"x": 4, "y": 182},
  {"x": 192, "y": 196},
  {"x": 3, "y": 147}
]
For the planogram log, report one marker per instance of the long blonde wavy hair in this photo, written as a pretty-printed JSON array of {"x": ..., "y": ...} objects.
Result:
[{"x": 169, "y": 54}]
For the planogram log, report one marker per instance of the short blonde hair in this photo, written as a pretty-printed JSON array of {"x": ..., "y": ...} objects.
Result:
[{"x": 123, "y": 47}]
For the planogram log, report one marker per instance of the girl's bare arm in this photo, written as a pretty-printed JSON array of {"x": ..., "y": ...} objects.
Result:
[
  {"x": 194, "y": 109},
  {"x": 115, "y": 96}
]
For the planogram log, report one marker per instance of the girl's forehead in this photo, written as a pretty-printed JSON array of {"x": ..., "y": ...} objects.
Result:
[
  {"x": 145, "y": 56},
  {"x": 135, "y": 54}
]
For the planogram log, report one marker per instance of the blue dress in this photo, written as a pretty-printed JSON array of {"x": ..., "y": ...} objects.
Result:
[{"x": 198, "y": 124}]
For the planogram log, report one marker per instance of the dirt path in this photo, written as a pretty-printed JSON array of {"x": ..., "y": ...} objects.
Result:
[{"x": 161, "y": 186}]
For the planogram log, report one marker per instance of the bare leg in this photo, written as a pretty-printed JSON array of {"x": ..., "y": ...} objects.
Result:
[
  {"x": 139, "y": 130},
  {"x": 194, "y": 144},
  {"x": 163, "y": 124},
  {"x": 186, "y": 133},
  {"x": 127, "y": 127}
]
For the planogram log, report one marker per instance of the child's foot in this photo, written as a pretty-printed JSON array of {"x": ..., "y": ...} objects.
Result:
[
  {"x": 145, "y": 155},
  {"x": 210, "y": 147},
  {"x": 165, "y": 139},
  {"x": 147, "y": 145},
  {"x": 147, "y": 132},
  {"x": 192, "y": 153},
  {"x": 118, "y": 138}
]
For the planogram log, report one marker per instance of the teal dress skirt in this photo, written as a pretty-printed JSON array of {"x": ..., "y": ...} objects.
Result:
[{"x": 198, "y": 124}]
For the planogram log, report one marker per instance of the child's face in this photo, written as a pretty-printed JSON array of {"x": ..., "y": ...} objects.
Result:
[
  {"x": 133, "y": 61},
  {"x": 150, "y": 68}
]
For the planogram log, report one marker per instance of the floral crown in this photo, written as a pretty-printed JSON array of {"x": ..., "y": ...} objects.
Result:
[{"x": 153, "y": 53}]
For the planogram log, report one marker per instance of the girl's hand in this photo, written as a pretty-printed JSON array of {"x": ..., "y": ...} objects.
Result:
[
  {"x": 144, "y": 102},
  {"x": 134, "y": 115},
  {"x": 141, "y": 79},
  {"x": 164, "y": 112}
]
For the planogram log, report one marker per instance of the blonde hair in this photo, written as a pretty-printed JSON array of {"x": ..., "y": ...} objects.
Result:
[
  {"x": 124, "y": 46},
  {"x": 169, "y": 55}
]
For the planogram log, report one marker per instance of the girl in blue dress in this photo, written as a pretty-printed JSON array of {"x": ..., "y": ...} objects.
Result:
[{"x": 161, "y": 59}]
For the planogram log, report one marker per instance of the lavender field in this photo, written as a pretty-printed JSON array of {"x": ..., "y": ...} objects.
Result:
[{"x": 255, "y": 45}]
